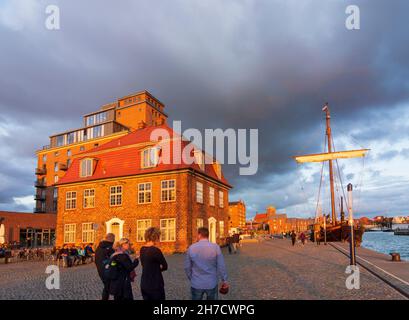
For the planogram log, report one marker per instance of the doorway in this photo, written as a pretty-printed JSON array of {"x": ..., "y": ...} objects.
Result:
[{"x": 212, "y": 229}]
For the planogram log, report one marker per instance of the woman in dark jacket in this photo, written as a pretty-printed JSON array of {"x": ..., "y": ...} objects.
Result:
[
  {"x": 121, "y": 287},
  {"x": 153, "y": 264}
]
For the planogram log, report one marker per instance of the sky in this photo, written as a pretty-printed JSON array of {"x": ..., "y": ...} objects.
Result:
[{"x": 263, "y": 64}]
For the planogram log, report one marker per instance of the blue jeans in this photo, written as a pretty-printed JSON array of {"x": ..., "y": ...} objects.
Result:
[{"x": 211, "y": 294}]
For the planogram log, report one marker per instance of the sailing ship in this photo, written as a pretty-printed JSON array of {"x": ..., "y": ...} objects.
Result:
[{"x": 331, "y": 228}]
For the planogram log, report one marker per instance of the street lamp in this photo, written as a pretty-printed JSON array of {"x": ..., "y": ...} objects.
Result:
[{"x": 351, "y": 223}]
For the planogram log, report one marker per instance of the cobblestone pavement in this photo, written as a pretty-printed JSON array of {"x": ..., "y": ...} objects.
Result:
[{"x": 272, "y": 269}]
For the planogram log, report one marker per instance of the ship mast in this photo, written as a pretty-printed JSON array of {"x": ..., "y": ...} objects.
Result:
[{"x": 331, "y": 169}]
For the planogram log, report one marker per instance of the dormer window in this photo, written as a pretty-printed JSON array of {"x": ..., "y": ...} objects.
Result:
[
  {"x": 150, "y": 157},
  {"x": 199, "y": 159},
  {"x": 86, "y": 167}
]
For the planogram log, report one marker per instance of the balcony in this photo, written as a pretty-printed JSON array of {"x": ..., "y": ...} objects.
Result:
[
  {"x": 39, "y": 197},
  {"x": 41, "y": 171},
  {"x": 40, "y": 183},
  {"x": 62, "y": 166}
]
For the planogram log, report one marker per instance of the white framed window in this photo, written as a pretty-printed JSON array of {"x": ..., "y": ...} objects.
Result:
[
  {"x": 141, "y": 226},
  {"x": 44, "y": 158},
  {"x": 71, "y": 200},
  {"x": 211, "y": 196},
  {"x": 55, "y": 166},
  {"x": 221, "y": 229},
  {"x": 145, "y": 192},
  {"x": 55, "y": 179},
  {"x": 167, "y": 230},
  {"x": 88, "y": 233},
  {"x": 199, "y": 192},
  {"x": 168, "y": 190},
  {"x": 199, "y": 223},
  {"x": 150, "y": 157},
  {"x": 115, "y": 196},
  {"x": 89, "y": 198},
  {"x": 69, "y": 233},
  {"x": 86, "y": 168},
  {"x": 221, "y": 199}
]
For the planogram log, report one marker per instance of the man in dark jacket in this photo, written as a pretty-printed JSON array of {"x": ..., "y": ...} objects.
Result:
[
  {"x": 103, "y": 253},
  {"x": 236, "y": 241}
]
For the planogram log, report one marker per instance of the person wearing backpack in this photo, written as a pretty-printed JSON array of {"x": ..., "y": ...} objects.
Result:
[
  {"x": 102, "y": 255},
  {"x": 120, "y": 271}
]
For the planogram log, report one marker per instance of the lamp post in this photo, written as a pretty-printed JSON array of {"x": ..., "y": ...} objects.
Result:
[
  {"x": 325, "y": 229},
  {"x": 351, "y": 223}
]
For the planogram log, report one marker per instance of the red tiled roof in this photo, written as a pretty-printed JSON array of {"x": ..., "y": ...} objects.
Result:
[
  {"x": 122, "y": 157},
  {"x": 260, "y": 217}
]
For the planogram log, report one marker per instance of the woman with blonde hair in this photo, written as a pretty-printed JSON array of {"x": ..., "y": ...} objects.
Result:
[
  {"x": 122, "y": 267},
  {"x": 153, "y": 264}
]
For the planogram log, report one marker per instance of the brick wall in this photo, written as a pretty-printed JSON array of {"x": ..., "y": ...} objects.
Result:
[{"x": 185, "y": 208}]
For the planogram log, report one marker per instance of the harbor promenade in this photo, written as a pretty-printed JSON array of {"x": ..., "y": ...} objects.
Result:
[{"x": 271, "y": 269}]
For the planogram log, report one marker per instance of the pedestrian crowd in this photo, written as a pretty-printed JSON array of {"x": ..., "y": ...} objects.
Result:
[{"x": 204, "y": 267}]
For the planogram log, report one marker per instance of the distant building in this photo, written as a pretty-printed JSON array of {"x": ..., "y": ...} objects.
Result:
[
  {"x": 28, "y": 229},
  {"x": 279, "y": 222},
  {"x": 237, "y": 214},
  {"x": 399, "y": 219}
]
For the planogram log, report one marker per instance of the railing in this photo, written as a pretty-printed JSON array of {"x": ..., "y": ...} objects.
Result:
[
  {"x": 41, "y": 171},
  {"x": 39, "y": 196},
  {"x": 40, "y": 183}
]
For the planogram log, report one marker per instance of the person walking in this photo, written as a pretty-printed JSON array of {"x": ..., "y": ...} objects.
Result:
[
  {"x": 236, "y": 241},
  {"x": 293, "y": 237},
  {"x": 153, "y": 264},
  {"x": 318, "y": 238},
  {"x": 302, "y": 238},
  {"x": 204, "y": 266},
  {"x": 102, "y": 255},
  {"x": 229, "y": 242},
  {"x": 120, "y": 287}
]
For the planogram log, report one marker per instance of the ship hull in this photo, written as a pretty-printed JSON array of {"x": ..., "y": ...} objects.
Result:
[{"x": 339, "y": 233}]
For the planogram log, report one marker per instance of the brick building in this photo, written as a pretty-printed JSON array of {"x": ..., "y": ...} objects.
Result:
[
  {"x": 237, "y": 214},
  {"x": 134, "y": 182},
  {"x": 279, "y": 223},
  {"x": 27, "y": 229},
  {"x": 113, "y": 120}
]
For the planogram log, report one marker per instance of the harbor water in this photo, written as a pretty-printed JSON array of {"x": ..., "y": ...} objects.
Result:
[{"x": 386, "y": 242}]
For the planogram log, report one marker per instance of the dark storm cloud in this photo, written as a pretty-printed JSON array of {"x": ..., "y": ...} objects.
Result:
[{"x": 269, "y": 65}]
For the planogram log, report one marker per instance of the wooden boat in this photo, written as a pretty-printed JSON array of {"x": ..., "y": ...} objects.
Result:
[
  {"x": 401, "y": 232},
  {"x": 331, "y": 228}
]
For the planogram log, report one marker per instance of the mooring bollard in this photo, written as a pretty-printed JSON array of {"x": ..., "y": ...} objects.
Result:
[{"x": 395, "y": 256}]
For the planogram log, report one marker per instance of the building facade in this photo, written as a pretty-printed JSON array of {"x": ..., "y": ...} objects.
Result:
[
  {"x": 237, "y": 214},
  {"x": 112, "y": 121},
  {"x": 276, "y": 223},
  {"x": 134, "y": 182},
  {"x": 27, "y": 229}
]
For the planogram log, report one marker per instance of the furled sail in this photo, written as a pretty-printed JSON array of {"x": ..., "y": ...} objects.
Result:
[{"x": 320, "y": 157}]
